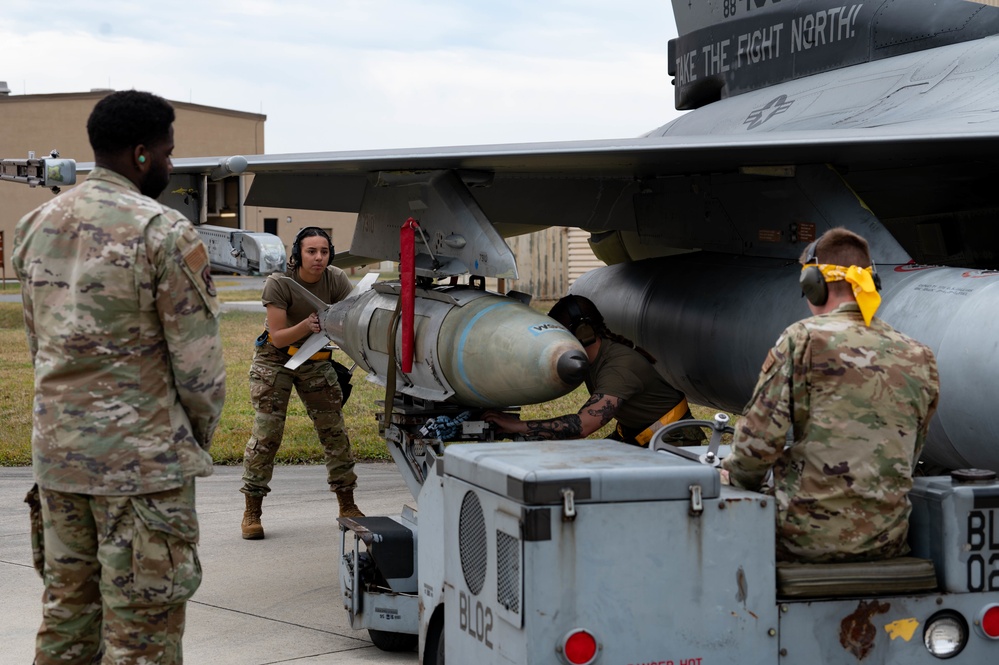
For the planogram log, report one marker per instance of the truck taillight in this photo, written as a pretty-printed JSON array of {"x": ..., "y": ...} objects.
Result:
[
  {"x": 579, "y": 647},
  {"x": 988, "y": 621}
]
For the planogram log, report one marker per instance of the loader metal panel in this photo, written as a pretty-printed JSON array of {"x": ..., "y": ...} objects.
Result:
[
  {"x": 534, "y": 473},
  {"x": 957, "y": 526},
  {"x": 885, "y": 630},
  {"x": 652, "y": 582}
]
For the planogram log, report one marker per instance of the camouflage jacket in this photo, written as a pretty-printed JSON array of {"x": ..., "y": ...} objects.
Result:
[
  {"x": 123, "y": 329},
  {"x": 857, "y": 402}
]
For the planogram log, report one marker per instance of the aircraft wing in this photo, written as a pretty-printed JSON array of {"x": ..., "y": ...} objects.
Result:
[
  {"x": 595, "y": 185},
  {"x": 290, "y": 177},
  {"x": 927, "y": 116},
  {"x": 643, "y": 157}
]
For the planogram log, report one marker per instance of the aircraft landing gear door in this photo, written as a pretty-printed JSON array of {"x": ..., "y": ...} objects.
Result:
[{"x": 556, "y": 549}]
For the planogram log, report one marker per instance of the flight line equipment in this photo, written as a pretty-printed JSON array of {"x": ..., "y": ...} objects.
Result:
[
  {"x": 229, "y": 250},
  {"x": 460, "y": 363},
  {"x": 599, "y": 553},
  {"x": 596, "y": 552},
  {"x": 51, "y": 172},
  {"x": 243, "y": 252}
]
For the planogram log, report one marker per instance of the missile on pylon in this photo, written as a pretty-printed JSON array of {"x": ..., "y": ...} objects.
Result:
[{"x": 471, "y": 347}]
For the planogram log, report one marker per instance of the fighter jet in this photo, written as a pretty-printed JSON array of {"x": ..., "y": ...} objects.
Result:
[{"x": 881, "y": 116}]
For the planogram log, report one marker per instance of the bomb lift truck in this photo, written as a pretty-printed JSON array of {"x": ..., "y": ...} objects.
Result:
[{"x": 597, "y": 553}]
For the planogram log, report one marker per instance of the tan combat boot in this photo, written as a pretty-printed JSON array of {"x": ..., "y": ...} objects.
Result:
[
  {"x": 251, "y": 526},
  {"x": 347, "y": 506}
]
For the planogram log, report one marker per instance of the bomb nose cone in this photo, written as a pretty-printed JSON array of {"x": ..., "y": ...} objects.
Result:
[{"x": 571, "y": 366}]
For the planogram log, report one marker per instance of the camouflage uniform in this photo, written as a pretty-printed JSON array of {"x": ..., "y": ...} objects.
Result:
[
  {"x": 857, "y": 401},
  {"x": 316, "y": 382},
  {"x": 122, "y": 325}
]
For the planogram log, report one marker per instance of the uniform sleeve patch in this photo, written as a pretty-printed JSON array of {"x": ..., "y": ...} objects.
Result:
[
  {"x": 196, "y": 258},
  {"x": 769, "y": 362}
]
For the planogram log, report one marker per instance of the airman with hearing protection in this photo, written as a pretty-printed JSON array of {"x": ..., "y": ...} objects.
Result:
[
  {"x": 623, "y": 384},
  {"x": 839, "y": 414},
  {"x": 291, "y": 319}
]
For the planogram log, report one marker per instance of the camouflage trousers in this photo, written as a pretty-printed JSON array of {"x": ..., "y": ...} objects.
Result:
[
  {"x": 270, "y": 389},
  {"x": 118, "y": 571}
]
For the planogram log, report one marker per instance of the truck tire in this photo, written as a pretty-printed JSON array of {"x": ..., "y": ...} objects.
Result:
[
  {"x": 433, "y": 650},
  {"x": 389, "y": 641}
]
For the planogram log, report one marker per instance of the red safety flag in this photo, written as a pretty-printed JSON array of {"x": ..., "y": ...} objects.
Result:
[{"x": 407, "y": 279}]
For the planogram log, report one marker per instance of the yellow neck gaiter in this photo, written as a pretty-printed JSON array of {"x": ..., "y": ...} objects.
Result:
[{"x": 862, "y": 281}]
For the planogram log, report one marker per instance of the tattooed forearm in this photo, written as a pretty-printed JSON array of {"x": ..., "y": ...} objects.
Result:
[
  {"x": 601, "y": 407},
  {"x": 593, "y": 415},
  {"x": 563, "y": 427}
]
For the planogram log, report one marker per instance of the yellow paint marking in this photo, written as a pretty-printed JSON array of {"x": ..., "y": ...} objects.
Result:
[{"x": 904, "y": 628}]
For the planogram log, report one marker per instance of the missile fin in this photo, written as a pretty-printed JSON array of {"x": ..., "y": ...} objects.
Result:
[
  {"x": 364, "y": 284},
  {"x": 312, "y": 345}
]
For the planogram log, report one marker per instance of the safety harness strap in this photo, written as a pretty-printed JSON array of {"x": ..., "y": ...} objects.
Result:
[
  {"x": 325, "y": 354},
  {"x": 674, "y": 415}
]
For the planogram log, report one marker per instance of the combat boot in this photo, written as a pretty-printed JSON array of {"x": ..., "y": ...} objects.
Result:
[
  {"x": 347, "y": 506},
  {"x": 251, "y": 526}
]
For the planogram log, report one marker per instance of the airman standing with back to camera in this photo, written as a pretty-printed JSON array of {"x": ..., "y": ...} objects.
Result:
[
  {"x": 857, "y": 397},
  {"x": 123, "y": 330}
]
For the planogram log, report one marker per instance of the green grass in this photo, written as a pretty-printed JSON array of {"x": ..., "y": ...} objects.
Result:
[
  {"x": 16, "y": 388},
  {"x": 240, "y": 295},
  {"x": 239, "y": 329},
  {"x": 299, "y": 444}
]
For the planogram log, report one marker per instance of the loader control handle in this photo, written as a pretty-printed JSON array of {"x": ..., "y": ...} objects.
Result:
[{"x": 719, "y": 427}]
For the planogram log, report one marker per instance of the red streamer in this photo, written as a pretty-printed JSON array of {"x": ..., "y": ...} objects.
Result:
[{"x": 407, "y": 279}]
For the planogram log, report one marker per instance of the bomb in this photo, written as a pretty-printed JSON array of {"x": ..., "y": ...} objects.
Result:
[{"x": 470, "y": 347}]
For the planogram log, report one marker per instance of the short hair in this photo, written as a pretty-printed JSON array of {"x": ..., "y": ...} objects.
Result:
[
  {"x": 841, "y": 247},
  {"x": 128, "y": 118}
]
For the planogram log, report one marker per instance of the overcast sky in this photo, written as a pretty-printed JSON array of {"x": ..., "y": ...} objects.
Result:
[{"x": 364, "y": 74}]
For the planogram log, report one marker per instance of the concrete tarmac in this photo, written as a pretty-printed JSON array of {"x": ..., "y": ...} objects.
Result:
[{"x": 261, "y": 602}]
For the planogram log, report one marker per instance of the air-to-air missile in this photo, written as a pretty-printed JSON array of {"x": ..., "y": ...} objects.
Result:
[{"x": 471, "y": 347}]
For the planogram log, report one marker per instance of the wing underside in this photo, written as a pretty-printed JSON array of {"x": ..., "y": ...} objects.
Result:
[{"x": 931, "y": 189}]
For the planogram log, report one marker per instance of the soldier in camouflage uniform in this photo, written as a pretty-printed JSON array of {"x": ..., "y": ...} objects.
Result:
[
  {"x": 291, "y": 320},
  {"x": 122, "y": 325},
  {"x": 857, "y": 397}
]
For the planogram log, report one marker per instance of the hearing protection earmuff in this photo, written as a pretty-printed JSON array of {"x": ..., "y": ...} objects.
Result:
[
  {"x": 580, "y": 325},
  {"x": 813, "y": 282},
  {"x": 296, "y": 246}
]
